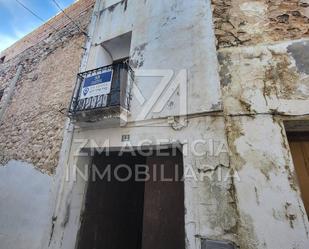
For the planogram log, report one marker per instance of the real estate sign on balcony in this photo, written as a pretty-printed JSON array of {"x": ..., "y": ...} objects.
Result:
[{"x": 98, "y": 84}]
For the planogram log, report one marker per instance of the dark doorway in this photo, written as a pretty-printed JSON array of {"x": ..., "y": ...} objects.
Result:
[
  {"x": 299, "y": 146},
  {"x": 135, "y": 213}
]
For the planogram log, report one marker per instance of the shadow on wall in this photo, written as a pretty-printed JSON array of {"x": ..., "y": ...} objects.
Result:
[{"x": 24, "y": 199}]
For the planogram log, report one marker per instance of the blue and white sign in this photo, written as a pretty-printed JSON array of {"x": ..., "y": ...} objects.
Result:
[{"x": 97, "y": 84}]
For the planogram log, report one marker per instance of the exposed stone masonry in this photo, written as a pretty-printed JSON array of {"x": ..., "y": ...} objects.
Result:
[
  {"x": 240, "y": 22},
  {"x": 32, "y": 127}
]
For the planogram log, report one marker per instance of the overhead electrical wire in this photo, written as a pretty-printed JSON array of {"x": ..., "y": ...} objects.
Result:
[
  {"x": 45, "y": 22},
  {"x": 34, "y": 14},
  {"x": 62, "y": 10}
]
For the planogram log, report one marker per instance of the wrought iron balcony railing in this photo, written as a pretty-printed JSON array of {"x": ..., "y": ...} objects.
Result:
[{"x": 104, "y": 90}]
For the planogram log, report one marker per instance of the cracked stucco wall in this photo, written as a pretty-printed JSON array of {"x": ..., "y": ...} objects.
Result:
[
  {"x": 191, "y": 48},
  {"x": 268, "y": 197},
  {"x": 211, "y": 210},
  {"x": 210, "y": 199},
  {"x": 269, "y": 78},
  {"x": 263, "y": 56}
]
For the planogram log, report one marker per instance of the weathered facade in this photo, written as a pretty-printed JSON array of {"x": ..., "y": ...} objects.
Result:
[
  {"x": 263, "y": 53},
  {"x": 235, "y": 81}
]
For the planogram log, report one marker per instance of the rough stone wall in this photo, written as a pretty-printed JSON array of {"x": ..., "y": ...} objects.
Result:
[
  {"x": 32, "y": 126},
  {"x": 241, "y": 22}
]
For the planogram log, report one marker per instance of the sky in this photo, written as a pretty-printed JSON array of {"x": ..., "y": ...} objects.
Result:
[{"x": 16, "y": 22}]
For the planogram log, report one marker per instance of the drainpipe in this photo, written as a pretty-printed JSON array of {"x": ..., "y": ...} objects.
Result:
[
  {"x": 52, "y": 240},
  {"x": 8, "y": 97}
]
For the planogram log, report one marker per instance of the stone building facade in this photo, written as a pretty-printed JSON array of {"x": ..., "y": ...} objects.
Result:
[{"x": 235, "y": 85}]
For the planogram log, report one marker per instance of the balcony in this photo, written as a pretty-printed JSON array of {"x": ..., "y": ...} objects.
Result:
[{"x": 102, "y": 94}]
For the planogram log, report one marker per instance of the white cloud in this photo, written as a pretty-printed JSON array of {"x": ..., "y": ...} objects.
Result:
[
  {"x": 8, "y": 4},
  {"x": 6, "y": 41},
  {"x": 21, "y": 31},
  {"x": 21, "y": 22},
  {"x": 6, "y": 1}
]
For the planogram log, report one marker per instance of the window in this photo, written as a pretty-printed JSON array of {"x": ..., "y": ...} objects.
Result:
[
  {"x": 119, "y": 47},
  {"x": 1, "y": 93},
  {"x": 105, "y": 89},
  {"x": 2, "y": 59}
]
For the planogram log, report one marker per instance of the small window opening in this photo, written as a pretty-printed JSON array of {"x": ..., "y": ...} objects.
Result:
[
  {"x": 117, "y": 51},
  {"x": 118, "y": 48},
  {"x": 2, "y": 59},
  {"x": 1, "y": 93}
]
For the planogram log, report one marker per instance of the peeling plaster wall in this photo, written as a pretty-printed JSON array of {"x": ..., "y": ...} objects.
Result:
[
  {"x": 210, "y": 208},
  {"x": 69, "y": 205},
  {"x": 263, "y": 56},
  {"x": 268, "y": 196},
  {"x": 191, "y": 47},
  {"x": 266, "y": 78},
  {"x": 263, "y": 81},
  {"x": 262, "y": 86}
]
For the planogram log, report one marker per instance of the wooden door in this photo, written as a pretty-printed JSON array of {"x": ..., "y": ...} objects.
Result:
[
  {"x": 299, "y": 145},
  {"x": 113, "y": 213},
  {"x": 135, "y": 214},
  {"x": 163, "y": 222}
]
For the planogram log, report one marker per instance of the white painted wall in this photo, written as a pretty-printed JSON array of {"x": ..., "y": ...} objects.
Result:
[
  {"x": 208, "y": 212},
  {"x": 176, "y": 35},
  {"x": 169, "y": 35},
  {"x": 100, "y": 58},
  {"x": 267, "y": 193},
  {"x": 24, "y": 203}
]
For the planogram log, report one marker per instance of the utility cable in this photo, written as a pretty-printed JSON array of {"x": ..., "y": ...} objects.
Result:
[
  {"x": 62, "y": 10},
  {"x": 34, "y": 14}
]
